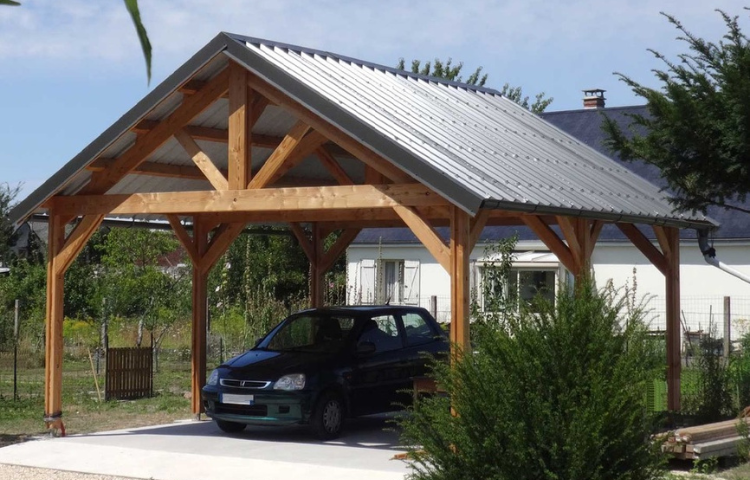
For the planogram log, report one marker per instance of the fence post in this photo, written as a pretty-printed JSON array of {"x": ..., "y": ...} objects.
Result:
[
  {"x": 15, "y": 352},
  {"x": 727, "y": 326},
  {"x": 433, "y": 306}
]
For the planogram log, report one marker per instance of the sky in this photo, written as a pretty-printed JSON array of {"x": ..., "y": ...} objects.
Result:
[{"x": 69, "y": 69}]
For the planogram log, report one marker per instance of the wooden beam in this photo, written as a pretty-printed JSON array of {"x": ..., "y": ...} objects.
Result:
[
  {"x": 304, "y": 241},
  {"x": 336, "y": 219},
  {"x": 54, "y": 325},
  {"x": 552, "y": 241},
  {"x": 460, "y": 251},
  {"x": 240, "y": 128},
  {"x": 662, "y": 236},
  {"x": 674, "y": 361},
  {"x": 297, "y": 144},
  {"x": 644, "y": 245},
  {"x": 334, "y": 251},
  {"x": 76, "y": 241},
  {"x": 198, "y": 337},
  {"x": 353, "y": 146},
  {"x": 596, "y": 229},
  {"x": 333, "y": 167},
  {"x": 202, "y": 161},
  {"x": 477, "y": 225},
  {"x": 189, "y": 108},
  {"x": 426, "y": 235},
  {"x": 568, "y": 229},
  {"x": 220, "y": 242},
  {"x": 344, "y": 197},
  {"x": 317, "y": 293},
  {"x": 184, "y": 238}
]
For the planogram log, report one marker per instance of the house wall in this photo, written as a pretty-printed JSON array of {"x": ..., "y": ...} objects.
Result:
[{"x": 703, "y": 287}]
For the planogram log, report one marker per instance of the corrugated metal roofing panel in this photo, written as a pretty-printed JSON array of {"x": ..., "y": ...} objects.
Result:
[{"x": 493, "y": 147}]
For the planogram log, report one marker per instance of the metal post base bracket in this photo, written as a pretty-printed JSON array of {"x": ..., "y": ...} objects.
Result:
[{"x": 55, "y": 424}]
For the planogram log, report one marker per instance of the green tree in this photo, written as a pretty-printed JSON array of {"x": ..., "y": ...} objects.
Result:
[
  {"x": 449, "y": 71},
  {"x": 135, "y": 15},
  {"x": 8, "y": 195},
  {"x": 697, "y": 131}
]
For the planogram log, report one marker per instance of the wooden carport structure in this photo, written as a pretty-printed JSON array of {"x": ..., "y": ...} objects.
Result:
[{"x": 251, "y": 131}]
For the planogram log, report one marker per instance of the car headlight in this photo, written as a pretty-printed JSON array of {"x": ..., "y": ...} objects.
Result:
[
  {"x": 295, "y": 381},
  {"x": 213, "y": 379}
]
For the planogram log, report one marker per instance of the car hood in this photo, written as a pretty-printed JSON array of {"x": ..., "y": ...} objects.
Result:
[{"x": 266, "y": 365}]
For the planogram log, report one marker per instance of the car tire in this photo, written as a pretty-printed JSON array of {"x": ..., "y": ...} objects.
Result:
[
  {"x": 230, "y": 427},
  {"x": 328, "y": 417}
]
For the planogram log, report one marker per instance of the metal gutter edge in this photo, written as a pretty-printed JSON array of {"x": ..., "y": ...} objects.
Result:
[
  {"x": 352, "y": 126},
  {"x": 53, "y": 184},
  {"x": 607, "y": 216}
]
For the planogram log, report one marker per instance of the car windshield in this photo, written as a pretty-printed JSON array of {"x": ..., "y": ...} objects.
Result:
[{"x": 313, "y": 333}]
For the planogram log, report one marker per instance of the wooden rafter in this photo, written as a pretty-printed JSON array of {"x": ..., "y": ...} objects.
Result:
[
  {"x": 552, "y": 241},
  {"x": 644, "y": 245},
  {"x": 353, "y": 146},
  {"x": 217, "y": 135},
  {"x": 477, "y": 225},
  {"x": 76, "y": 241},
  {"x": 299, "y": 143},
  {"x": 184, "y": 238},
  {"x": 202, "y": 161},
  {"x": 333, "y": 167},
  {"x": 596, "y": 229},
  {"x": 145, "y": 145},
  {"x": 662, "y": 236},
  {"x": 425, "y": 233},
  {"x": 344, "y": 197}
]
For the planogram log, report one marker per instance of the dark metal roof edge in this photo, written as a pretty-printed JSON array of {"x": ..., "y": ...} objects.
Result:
[
  {"x": 612, "y": 217},
  {"x": 377, "y": 66},
  {"x": 354, "y": 127},
  {"x": 57, "y": 181}
]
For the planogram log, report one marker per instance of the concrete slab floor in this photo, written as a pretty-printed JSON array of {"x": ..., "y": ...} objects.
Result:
[{"x": 199, "y": 450}]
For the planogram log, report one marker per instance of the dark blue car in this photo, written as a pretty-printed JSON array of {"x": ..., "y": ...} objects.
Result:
[{"x": 320, "y": 366}]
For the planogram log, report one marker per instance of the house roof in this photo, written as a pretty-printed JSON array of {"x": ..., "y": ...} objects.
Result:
[{"x": 469, "y": 144}]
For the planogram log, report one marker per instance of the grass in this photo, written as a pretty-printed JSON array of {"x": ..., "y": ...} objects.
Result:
[{"x": 82, "y": 411}]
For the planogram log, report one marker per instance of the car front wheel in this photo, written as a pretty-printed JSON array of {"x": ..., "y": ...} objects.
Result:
[
  {"x": 328, "y": 417},
  {"x": 230, "y": 427}
]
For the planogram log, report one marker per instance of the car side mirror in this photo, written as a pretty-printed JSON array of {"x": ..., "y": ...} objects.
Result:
[
  {"x": 366, "y": 348},
  {"x": 257, "y": 341}
]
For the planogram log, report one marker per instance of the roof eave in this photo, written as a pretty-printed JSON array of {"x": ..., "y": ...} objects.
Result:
[
  {"x": 56, "y": 182},
  {"x": 708, "y": 223}
]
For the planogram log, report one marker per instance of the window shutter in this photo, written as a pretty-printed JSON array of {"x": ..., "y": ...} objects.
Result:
[
  {"x": 411, "y": 282},
  {"x": 366, "y": 292}
]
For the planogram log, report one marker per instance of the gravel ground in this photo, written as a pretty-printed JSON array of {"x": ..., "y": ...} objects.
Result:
[{"x": 16, "y": 472}]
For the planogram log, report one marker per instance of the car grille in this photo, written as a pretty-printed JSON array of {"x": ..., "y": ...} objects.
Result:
[
  {"x": 249, "y": 410},
  {"x": 255, "y": 384}
]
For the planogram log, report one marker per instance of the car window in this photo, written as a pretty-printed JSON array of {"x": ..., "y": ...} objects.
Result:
[
  {"x": 313, "y": 333},
  {"x": 417, "y": 329},
  {"x": 383, "y": 332}
]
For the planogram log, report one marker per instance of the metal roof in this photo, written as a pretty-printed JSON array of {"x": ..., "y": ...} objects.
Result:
[{"x": 469, "y": 144}]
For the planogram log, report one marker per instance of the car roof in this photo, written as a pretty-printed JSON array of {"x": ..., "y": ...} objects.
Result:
[{"x": 362, "y": 309}]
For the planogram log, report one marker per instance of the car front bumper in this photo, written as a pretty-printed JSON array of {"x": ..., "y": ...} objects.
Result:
[{"x": 268, "y": 408}]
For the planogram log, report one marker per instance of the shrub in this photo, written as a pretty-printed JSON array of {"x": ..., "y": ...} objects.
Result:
[{"x": 557, "y": 394}]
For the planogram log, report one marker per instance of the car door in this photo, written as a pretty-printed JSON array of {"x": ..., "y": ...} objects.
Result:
[
  {"x": 378, "y": 376},
  {"x": 422, "y": 340}
]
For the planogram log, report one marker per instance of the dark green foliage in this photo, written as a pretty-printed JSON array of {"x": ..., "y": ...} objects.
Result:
[
  {"x": 7, "y": 197},
  {"x": 135, "y": 16},
  {"x": 449, "y": 71},
  {"x": 553, "y": 395},
  {"x": 740, "y": 373},
  {"x": 698, "y": 126},
  {"x": 708, "y": 383}
]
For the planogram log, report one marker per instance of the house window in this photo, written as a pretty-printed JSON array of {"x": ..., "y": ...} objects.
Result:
[
  {"x": 523, "y": 285},
  {"x": 394, "y": 281}
]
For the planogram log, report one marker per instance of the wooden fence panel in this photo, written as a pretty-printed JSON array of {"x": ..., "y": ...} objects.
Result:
[{"x": 129, "y": 373}]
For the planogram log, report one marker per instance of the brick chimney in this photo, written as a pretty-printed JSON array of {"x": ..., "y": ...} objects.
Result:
[{"x": 593, "y": 98}]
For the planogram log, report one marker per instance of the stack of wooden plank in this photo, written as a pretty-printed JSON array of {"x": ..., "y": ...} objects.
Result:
[{"x": 719, "y": 439}]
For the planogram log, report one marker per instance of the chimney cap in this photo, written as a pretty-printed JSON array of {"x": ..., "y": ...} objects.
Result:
[
  {"x": 593, "y": 98},
  {"x": 593, "y": 92}
]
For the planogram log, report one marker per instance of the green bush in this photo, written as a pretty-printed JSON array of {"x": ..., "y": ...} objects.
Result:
[{"x": 557, "y": 394}]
